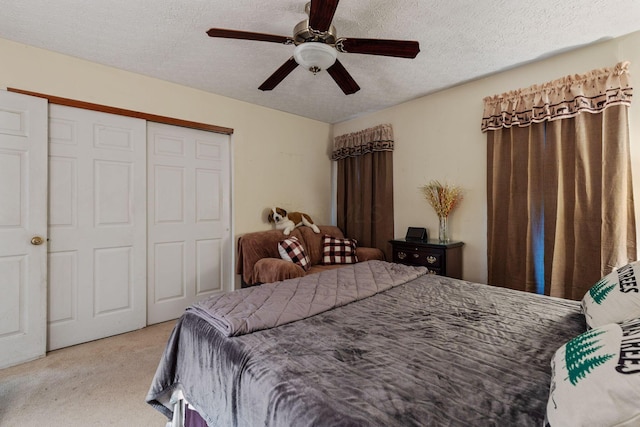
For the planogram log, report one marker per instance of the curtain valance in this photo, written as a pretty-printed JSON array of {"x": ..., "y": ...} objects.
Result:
[
  {"x": 559, "y": 99},
  {"x": 378, "y": 138}
]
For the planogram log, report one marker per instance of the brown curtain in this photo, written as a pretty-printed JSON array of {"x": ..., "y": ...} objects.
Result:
[
  {"x": 560, "y": 202},
  {"x": 365, "y": 186},
  {"x": 514, "y": 160}
]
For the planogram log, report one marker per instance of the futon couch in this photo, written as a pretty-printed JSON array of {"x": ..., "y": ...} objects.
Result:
[{"x": 259, "y": 260}]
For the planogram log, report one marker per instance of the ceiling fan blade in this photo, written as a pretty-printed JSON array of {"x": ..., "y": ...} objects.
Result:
[
  {"x": 343, "y": 78},
  {"x": 321, "y": 14},
  {"x": 282, "y": 72},
  {"x": 246, "y": 35},
  {"x": 397, "y": 48}
]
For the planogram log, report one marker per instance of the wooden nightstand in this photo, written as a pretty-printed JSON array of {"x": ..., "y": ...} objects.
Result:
[{"x": 444, "y": 259}]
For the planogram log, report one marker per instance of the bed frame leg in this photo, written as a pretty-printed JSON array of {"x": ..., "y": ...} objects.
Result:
[{"x": 177, "y": 400}]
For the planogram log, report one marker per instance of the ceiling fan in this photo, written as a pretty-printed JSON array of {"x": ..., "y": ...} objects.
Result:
[{"x": 317, "y": 45}]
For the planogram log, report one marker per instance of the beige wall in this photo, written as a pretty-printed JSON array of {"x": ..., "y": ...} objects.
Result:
[
  {"x": 438, "y": 137},
  {"x": 268, "y": 145}
]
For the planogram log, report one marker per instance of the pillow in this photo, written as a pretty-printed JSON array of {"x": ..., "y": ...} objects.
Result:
[
  {"x": 595, "y": 378},
  {"x": 292, "y": 250},
  {"x": 338, "y": 251},
  {"x": 614, "y": 298}
]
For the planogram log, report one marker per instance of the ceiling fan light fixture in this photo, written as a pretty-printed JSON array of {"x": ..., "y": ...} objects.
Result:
[{"x": 315, "y": 56}]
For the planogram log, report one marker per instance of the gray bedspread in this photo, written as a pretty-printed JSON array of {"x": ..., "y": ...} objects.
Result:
[
  {"x": 275, "y": 304},
  {"x": 432, "y": 352}
]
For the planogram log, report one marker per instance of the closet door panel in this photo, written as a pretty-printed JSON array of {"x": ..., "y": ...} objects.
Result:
[
  {"x": 208, "y": 277},
  {"x": 169, "y": 271},
  {"x": 189, "y": 253},
  {"x": 169, "y": 194},
  {"x": 97, "y": 225},
  {"x": 63, "y": 285}
]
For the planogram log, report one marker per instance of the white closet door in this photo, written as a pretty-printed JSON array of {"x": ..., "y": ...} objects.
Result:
[
  {"x": 23, "y": 216},
  {"x": 189, "y": 252},
  {"x": 97, "y": 225}
]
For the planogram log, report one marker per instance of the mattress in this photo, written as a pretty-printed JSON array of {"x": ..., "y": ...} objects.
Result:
[{"x": 433, "y": 351}]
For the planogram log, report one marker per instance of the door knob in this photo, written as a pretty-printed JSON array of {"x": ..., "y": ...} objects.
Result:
[{"x": 37, "y": 240}]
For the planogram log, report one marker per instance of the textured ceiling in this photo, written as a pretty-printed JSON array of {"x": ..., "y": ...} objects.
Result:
[{"x": 460, "y": 40}]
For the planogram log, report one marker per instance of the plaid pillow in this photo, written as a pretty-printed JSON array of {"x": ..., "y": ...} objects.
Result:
[
  {"x": 338, "y": 251},
  {"x": 292, "y": 250}
]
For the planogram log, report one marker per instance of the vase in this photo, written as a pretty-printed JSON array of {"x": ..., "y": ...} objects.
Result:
[{"x": 443, "y": 230}]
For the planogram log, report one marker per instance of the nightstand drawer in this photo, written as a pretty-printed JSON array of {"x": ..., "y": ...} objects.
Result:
[{"x": 410, "y": 255}]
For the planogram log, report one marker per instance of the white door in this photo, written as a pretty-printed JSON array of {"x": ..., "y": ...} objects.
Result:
[
  {"x": 23, "y": 216},
  {"x": 97, "y": 225},
  {"x": 189, "y": 232}
]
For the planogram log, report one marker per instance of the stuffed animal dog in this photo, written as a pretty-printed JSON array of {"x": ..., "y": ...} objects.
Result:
[{"x": 288, "y": 221}]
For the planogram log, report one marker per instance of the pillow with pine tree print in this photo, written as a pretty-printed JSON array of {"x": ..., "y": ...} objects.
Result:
[
  {"x": 595, "y": 378},
  {"x": 615, "y": 298}
]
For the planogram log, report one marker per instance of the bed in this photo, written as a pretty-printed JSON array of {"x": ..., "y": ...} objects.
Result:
[{"x": 369, "y": 344}]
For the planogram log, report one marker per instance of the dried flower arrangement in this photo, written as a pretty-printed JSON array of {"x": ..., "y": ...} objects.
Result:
[{"x": 442, "y": 197}]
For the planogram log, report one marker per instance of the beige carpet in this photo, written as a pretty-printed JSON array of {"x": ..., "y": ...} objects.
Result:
[{"x": 101, "y": 383}]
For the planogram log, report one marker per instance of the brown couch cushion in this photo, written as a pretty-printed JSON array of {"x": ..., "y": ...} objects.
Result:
[
  {"x": 253, "y": 247},
  {"x": 267, "y": 270},
  {"x": 368, "y": 254}
]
